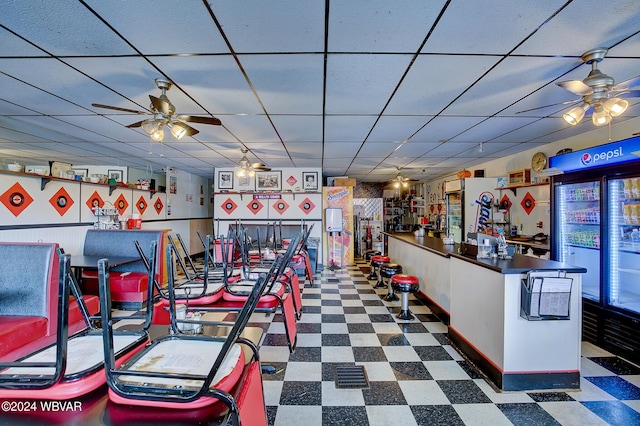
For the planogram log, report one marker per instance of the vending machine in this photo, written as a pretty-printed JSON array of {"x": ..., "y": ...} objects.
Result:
[{"x": 596, "y": 224}]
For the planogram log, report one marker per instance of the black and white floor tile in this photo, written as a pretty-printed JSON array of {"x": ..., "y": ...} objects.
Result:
[{"x": 415, "y": 376}]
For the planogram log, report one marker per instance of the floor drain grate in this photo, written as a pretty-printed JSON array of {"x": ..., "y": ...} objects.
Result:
[{"x": 351, "y": 376}]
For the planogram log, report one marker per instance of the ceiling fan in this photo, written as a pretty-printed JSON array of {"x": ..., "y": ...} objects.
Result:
[
  {"x": 400, "y": 180},
  {"x": 246, "y": 168},
  {"x": 163, "y": 113},
  {"x": 598, "y": 91}
]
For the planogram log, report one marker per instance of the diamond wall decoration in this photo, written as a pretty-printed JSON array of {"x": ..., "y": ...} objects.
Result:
[
  {"x": 122, "y": 204},
  {"x": 307, "y": 205},
  {"x": 141, "y": 205},
  {"x": 280, "y": 206},
  {"x": 255, "y": 206},
  {"x": 95, "y": 200},
  {"x": 61, "y": 201},
  {"x": 505, "y": 203},
  {"x": 229, "y": 206},
  {"x": 528, "y": 203},
  {"x": 158, "y": 205},
  {"x": 292, "y": 181},
  {"x": 16, "y": 199}
]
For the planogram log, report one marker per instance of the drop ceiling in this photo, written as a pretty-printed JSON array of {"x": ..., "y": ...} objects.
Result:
[{"x": 359, "y": 88}]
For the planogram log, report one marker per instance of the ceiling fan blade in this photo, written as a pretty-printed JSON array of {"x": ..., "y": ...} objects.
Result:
[
  {"x": 550, "y": 105},
  {"x": 133, "y": 111},
  {"x": 629, "y": 94},
  {"x": 632, "y": 82},
  {"x": 202, "y": 120},
  {"x": 190, "y": 130},
  {"x": 260, "y": 166},
  {"x": 575, "y": 86},
  {"x": 160, "y": 105},
  {"x": 136, "y": 124}
]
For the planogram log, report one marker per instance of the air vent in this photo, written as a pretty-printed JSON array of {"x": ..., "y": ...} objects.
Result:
[{"x": 351, "y": 377}]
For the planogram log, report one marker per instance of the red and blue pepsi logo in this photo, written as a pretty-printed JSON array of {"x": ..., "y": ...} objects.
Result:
[{"x": 586, "y": 159}]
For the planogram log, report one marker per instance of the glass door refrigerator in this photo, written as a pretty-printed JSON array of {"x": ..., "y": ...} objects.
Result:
[
  {"x": 453, "y": 209},
  {"x": 596, "y": 224}
]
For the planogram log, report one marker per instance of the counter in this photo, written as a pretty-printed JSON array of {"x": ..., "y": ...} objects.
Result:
[{"x": 482, "y": 300}]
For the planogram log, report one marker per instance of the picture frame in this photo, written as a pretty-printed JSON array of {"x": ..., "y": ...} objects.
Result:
[
  {"x": 58, "y": 169},
  {"x": 310, "y": 181},
  {"x": 244, "y": 183},
  {"x": 115, "y": 174},
  {"x": 269, "y": 181},
  {"x": 225, "y": 180},
  {"x": 83, "y": 173}
]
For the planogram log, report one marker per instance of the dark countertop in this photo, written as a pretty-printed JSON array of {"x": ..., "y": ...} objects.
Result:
[{"x": 520, "y": 264}]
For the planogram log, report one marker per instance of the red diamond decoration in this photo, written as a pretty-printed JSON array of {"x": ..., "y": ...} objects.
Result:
[
  {"x": 61, "y": 201},
  {"x": 229, "y": 206},
  {"x": 528, "y": 203},
  {"x": 141, "y": 205},
  {"x": 158, "y": 205},
  {"x": 505, "y": 203},
  {"x": 95, "y": 200},
  {"x": 16, "y": 199},
  {"x": 122, "y": 204},
  {"x": 255, "y": 206},
  {"x": 291, "y": 181},
  {"x": 306, "y": 206},
  {"x": 280, "y": 206}
]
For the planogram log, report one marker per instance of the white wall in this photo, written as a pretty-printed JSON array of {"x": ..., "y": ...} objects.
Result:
[{"x": 502, "y": 166}]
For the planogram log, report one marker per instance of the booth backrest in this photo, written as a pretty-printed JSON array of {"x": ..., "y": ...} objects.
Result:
[
  {"x": 288, "y": 231},
  {"x": 29, "y": 279},
  {"x": 99, "y": 242}
]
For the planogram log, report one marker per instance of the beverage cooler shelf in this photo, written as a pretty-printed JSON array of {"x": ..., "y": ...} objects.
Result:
[
  {"x": 584, "y": 246},
  {"x": 630, "y": 271},
  {"x": 583, "y": 223}
]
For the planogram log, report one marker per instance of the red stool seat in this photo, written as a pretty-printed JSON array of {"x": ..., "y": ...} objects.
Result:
[
  {"x": 405, "y": 283},
  {"x": 379, "y": 260}
]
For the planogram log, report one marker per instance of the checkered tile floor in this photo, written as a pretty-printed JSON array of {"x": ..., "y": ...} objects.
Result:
[{"x": 415, "y": 376}]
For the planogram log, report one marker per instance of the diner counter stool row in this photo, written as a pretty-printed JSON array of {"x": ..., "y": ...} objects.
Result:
[{"x": 382, "y": 267}]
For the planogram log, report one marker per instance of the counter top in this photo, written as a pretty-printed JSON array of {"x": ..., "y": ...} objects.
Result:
[{"x": 520, "y": 264}]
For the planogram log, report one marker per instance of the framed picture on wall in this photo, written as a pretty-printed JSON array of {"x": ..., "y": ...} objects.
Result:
[
  {"x": 225, "y": 180},
  {"x": 310, "y": 181},
  {"x": 244, "y": 183},
  {"x": 269, "y": 181},
  {"x": 115, "y": 175}
]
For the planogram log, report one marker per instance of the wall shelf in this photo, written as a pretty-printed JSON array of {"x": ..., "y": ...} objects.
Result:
[
  {"x": 522, "y": 185},
  {"x": 44, "y": 180}
]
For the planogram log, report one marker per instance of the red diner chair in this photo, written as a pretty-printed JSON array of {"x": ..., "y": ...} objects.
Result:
[
  {"x": 277, "y": 294},
  {"x": 72, "y": 366},
  {"x": 190, "y": 371}
]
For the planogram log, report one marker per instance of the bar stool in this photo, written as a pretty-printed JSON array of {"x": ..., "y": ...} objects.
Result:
[
  {"x": 405, "y": 284},
  {"x": 369, "y": 253},
  {"x": 388, "y": 270},
  {"x": 376, "y": 261}
]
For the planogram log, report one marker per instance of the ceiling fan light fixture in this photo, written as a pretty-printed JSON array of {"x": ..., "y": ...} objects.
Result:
[
  {"x": 158, "y": 135},
  {"x": 600, "y": 117},
  {"x": 178, "y": 130},
  {"x": 241, "y": 172},
  {"x": 575, "y": 115},
  {"x": 615, "y": 106},
  {"x": 150, "y": 126}
]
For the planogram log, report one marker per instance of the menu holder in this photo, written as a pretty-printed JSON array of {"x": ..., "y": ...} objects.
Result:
[{"x": 545, "y": 295}]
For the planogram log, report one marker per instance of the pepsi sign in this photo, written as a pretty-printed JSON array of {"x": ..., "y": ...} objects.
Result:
[{"x": 614, "y": 153}]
